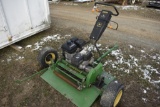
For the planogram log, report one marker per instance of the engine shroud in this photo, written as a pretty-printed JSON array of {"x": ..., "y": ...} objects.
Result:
[{"x": 75, "y": 52}]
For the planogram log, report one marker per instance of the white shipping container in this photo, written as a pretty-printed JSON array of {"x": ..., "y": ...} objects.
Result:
[{"x": 20, "y": 19}]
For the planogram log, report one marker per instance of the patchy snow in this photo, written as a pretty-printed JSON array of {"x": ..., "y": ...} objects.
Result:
[
  {"x": 71, "y": 4},
  {"x": 135, "y": 60},
  {"x": 130, "y": 46},
  {"x": 157, "y": 10},
  {"x": 19, "y": 47},
  {"x": 28, "y": 46},
  {"x": 144, "y": 99},
  {"x": 38, "y": 45},
  {"x": 152, "y": 69},
  {"x": 51, "y": 38},
  {"x": 144, "y": 91},
  {"x": 19, "y": 58},
  {"x": 67, "y": 35},
  {"x": 127, "y": 71},
  {"x": 9, "y": 59},
  {"x": 147, "y": 73},
  {"x": 133, "y": 64},
  {"x": 142, "y": 51},
  {"x": 113, "y": 66},
  {"x": 116, "y": 53},
  {"x": 98, "y": 45},
  {"x": 13, "y": 57},
  {"x": 93, "y": 48},
  {"x": 2, "y": 60},
  {"x": 147, "y": 88},
  {"x": 155, "y": 81},
  {"x": 130, "y": 7}
]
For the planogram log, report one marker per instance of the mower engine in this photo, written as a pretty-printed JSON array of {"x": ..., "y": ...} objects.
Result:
[{"x": 75, "y": 52}]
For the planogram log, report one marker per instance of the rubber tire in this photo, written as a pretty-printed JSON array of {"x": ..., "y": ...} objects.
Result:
[
  {"x": 130, "y": 2},
  {"x": 110, "y": 93},
  {"x": 43, "y": 54}
]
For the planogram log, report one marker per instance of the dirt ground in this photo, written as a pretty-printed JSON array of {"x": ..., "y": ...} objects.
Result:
[{"x": 136, "y": 63}]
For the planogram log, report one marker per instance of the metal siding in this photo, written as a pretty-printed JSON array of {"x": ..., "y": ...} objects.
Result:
[
  {"x": 3, "y": 29},
  {"x": 16, "y": 15},
  {"x": 20, "y": 19},
  {"x": 37, "y": 12}
]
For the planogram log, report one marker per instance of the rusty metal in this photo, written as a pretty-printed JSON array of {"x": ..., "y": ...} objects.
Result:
[{"x": 65, "y": 79}]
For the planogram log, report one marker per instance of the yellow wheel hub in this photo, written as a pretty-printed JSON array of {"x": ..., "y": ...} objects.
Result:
[
  {"x": 116, "y": 101},
  {"x": 49, "y": 58}
]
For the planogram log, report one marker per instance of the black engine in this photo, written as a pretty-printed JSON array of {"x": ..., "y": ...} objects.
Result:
[{"x": 75, "y": 52}]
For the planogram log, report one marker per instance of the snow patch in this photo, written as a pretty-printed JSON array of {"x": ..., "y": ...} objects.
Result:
[
  {"x": 155, "y": 82},
  {"x": 131, "y": 64},
  {"x": 51, "y": 38},
  {"x": 70, "y": 4},
  {"x": 142, "y": 51},
  {"x": 144, "y": 91},
  {"x": 9, "y": 59},
  {"x": 67, "y": 35},
  {"x": 127, "y": 71},
  {"x": 98, "y": 45},
  {"x": 147, "y": 71},
  {"x": 144, "y": 99},
  {"x": 115, "y": 53},
  {"x": 130, "y": 46},
  {"x": 28, "y": 46},
  {"x": 157, "y": 10},
  {"x": 2, "y": 60},
  {"x": 130, "y": 7},
  {"x": 38, "y": 45},
  {"x": 147, "y": 88},
  {"x": 19, "y": 58},
  {"x": 113, "y": 66}
]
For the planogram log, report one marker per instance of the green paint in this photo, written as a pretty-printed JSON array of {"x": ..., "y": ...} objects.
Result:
[
  {"x": 108, "y": 78},
  {"x": 92, "y": 75},
  {"x": 83, "y": 98},
  {"x": 74, "y": 68},
  {"x": 77, "y": 74},
  {"x": 106, "y": 53},
  {"x": 57, "y": 69}
]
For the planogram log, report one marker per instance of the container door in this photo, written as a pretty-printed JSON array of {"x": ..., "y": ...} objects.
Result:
[
  {"x": 4, "y": 34},
  {"x": 17, "y": 16},
  {"x": 37, "y": 12}
]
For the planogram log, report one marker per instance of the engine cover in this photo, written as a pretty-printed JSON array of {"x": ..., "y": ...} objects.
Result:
[
  {"x": 77, "y": 54},
  {"x": 69, "y": 47},
  {"x": 77, "y": 59},
  {"x": 82, "y": 59}
]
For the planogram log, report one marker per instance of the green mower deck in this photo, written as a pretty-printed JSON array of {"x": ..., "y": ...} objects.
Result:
[{"x": 83, "y": 98}]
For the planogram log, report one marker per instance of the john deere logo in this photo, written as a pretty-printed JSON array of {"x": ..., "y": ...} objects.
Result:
[{"x": 99, "y": 24}]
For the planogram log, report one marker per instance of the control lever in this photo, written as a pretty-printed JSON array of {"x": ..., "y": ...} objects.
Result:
[{"x": 102, "y": 21}]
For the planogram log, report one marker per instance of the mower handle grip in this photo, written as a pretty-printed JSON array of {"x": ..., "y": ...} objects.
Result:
[{"x": 106, "y": 4}]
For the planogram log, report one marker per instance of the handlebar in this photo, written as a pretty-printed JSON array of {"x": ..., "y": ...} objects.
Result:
[{"x": 106, "y": 4}]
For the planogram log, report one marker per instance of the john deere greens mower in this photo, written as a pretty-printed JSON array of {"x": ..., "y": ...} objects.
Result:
[{"x": 78, "y": 75}]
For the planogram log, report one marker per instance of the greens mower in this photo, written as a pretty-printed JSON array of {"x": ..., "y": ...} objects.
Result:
[{"x": 78, "y": 75}]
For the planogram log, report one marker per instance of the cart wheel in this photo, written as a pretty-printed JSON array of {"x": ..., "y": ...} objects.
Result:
[
  {"x": 46, "y": 56},
  {"x": 112, "y": 95}
]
